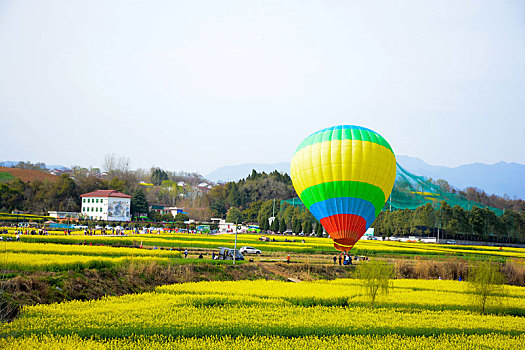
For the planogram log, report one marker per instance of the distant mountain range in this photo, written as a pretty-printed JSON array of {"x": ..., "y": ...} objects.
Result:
[
  {"x": 501, "y": 178},
  {"x": 10, "y": 164}
]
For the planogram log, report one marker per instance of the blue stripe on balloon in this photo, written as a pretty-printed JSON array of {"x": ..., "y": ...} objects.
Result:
[{"x": 344, "y": 205}]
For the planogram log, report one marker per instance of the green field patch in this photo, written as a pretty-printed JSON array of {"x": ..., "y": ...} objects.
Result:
[{"x": 6, "y": 177}]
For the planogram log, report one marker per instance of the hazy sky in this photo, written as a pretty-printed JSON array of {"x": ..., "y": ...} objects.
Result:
[{"x": 195, "y": 85}]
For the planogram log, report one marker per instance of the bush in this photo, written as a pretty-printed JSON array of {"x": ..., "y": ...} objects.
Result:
[
  {"x": 514, "y": 273},
  {"x": 375, "y": 276},
  {"x": 486, "y": 283}
]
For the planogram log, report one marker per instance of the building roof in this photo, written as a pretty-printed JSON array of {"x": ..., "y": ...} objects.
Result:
[{"x": 105, "y": 193}]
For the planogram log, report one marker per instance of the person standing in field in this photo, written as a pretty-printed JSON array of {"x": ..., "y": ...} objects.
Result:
[
  {"x": 335, "y": 259},
  {"x": 288, "y": 259},
  {"x": 185, "y": 253}
]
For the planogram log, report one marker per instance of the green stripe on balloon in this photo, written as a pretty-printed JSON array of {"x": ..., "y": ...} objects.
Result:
[
  {"x": 348, "y": 133},
  {"x": 337, "y": 189}
]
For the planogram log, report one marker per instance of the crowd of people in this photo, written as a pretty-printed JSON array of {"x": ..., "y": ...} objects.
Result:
[{"x": 345, "y": 259}]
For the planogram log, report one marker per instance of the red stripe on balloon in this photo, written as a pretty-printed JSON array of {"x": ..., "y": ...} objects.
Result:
[{"x": 345, "y": 229}]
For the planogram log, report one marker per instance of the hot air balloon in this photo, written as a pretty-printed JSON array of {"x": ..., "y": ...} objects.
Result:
[{"x": 344, "y": 175}]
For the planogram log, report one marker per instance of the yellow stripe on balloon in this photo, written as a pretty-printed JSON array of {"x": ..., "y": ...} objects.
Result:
[{"x": 343, "y": 160}]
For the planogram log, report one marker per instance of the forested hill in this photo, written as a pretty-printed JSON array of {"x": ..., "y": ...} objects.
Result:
[{"x": 255, "y": 187}]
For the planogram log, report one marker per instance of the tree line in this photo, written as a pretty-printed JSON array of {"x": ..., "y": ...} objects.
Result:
[
  {"x": 255, "y": 199},
  {"x": 477, "y": 224}
]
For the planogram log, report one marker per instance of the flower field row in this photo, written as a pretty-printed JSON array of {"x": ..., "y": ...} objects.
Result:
[
  {"x": 372, "y": 342},
  {"x": 50, "y": 248},
  {"x": 22, "y": 256},
  {"x": 310, "y": 245},
  {"x": 416, "y": 294},
  {"x": 174, "y": 315},
  {"x": 60, "y": 262},
  {"x": 266, "y": 314}
]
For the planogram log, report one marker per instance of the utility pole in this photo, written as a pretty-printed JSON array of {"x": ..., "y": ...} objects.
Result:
[
  {"x": 234, "y": 255},
  {"x": 235, "y": 246}
]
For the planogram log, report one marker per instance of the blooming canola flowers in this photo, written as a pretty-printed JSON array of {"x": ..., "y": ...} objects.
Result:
[{"x": 344, "y": 175}]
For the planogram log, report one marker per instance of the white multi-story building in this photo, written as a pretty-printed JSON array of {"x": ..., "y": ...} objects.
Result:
[{"x": 108, "y": 205}]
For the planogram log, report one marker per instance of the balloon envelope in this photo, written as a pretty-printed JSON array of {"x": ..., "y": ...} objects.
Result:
[{"x": 344, "y": 175}]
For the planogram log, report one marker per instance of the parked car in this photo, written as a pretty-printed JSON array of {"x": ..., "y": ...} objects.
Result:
[
  {"x": 227, "y": 254},
  {"x": 451, "y": 241},
  {"x": 249, "y": 250}
]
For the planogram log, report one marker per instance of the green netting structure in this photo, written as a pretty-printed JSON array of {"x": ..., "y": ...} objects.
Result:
[{"x": 412, "y": 191}]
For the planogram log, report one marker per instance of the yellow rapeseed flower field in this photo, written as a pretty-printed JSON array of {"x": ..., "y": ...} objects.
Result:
[
  {"x": 310, "y": 245},
  {"x": 54, "y": 257},
  {"x": 274, "y": 315}
]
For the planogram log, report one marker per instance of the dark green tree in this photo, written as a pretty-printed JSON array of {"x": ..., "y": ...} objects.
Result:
[
  {"x": 266, "y": 210},
  {"x": 139, "y": 204},
  {"x": 307, "y": 227},
  {"x": 297, "y": 227},
  {"x": 154, "y": 216},
  {"x": 263, "y": 224},
  {"x": 318, "y": 229},
  {"x": 157, "y": 176},
  {"x": 282, "y": 225},
  {"x": 181, "y": 217},
  {"x": 66, "y": 194},
  {"x": 12, "y": 195},
  {"x": 251, "y": 213},
  {"x": 477, "y": 222},
  {"x": 234, "y": 215},
  {"x": 218, "y": 208},
  {"x": 167, "y": 217},
  {"x": 275, "y": 225}
]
